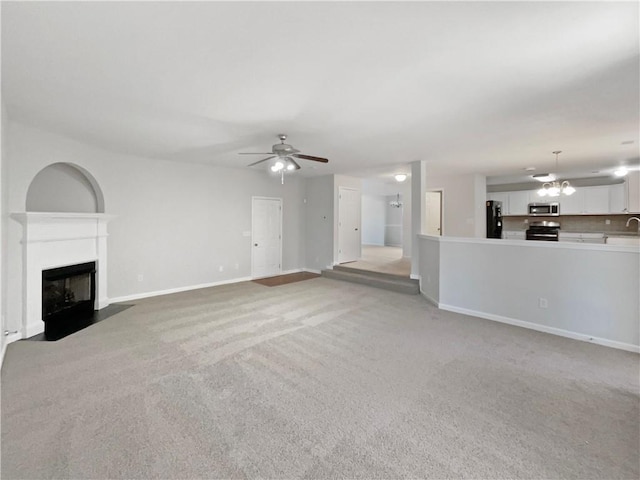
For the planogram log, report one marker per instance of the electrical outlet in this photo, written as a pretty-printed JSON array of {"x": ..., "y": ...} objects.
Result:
[
  {"x": 237, "y": 266},
  {"x": 221, "y": 268},
  {"x": 543, "y": 303},
  {"x": 607, "y": 222},
  {"x": 526, "y": 220},
  {"x": 140, "y": 277}
]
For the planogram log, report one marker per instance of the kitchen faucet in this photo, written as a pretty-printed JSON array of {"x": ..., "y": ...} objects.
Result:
[{"x": 634, "y": 218}]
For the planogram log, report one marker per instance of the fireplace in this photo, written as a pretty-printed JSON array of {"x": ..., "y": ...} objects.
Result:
[{"x": 68, "y": 296}]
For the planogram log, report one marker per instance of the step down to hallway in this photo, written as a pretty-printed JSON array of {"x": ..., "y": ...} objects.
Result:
[{"x": 385, "y": 281}]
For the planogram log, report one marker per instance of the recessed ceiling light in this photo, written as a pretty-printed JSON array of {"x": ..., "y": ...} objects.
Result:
[{"x": 529, "y": 169}]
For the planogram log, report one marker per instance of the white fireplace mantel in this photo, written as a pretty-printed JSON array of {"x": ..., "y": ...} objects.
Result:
[{"x": 59, "y": 239}]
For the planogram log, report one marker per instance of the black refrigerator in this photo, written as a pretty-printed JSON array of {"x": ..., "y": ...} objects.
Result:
[{"x": 494, "y": 219}]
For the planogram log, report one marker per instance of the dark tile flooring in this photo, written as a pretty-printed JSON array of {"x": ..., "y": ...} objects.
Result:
[{"x": 63, "y": 329}]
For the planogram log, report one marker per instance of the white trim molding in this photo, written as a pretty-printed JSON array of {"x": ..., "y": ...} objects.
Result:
[{"x": 542, "y": 328}]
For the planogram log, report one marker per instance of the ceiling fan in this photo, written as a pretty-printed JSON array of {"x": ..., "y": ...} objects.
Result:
[{"x": 286, "y": 156}]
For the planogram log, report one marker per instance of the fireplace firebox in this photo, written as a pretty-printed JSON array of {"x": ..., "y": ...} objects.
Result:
[{"x": 68, "y": 294}]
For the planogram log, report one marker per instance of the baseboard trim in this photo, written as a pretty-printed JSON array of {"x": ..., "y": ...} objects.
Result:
[
  {"x": 543, "y": 328},
  {"x": 313, "y": 270},
  {"x": 293, "y": 270},
  {"x": 14, "y": 337},
  {"x": 4, "y": 350},
  {"x": 413, "y": 276},
  {"x": 429, "y": 299},
  {"x": 139, "y": 296}
]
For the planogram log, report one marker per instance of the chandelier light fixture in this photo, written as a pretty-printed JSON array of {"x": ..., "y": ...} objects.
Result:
[
  {"x": 555, "y": 188},
  {"x": 396, "y": 203}
]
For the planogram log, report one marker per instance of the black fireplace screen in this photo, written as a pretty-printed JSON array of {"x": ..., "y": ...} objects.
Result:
[{"x": 68, "y": 291}]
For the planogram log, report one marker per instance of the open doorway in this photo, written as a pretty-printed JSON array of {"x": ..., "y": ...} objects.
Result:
[
  {"x": 433, "y": 212},
  {"x": 384, "y": 229}
]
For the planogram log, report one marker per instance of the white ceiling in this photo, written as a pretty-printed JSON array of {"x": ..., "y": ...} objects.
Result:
[{"x": 476, "y": 87}]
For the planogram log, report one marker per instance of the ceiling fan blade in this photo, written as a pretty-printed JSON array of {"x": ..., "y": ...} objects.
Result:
[
  {"x": 309, "y": 157},
  {"x": 252, "y": 153},
  {"x": 260, "y": 161},
  {"x": 295, "y": 164}
]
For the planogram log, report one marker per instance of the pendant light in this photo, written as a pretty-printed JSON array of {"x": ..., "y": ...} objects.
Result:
[
  {"x": 555, "y": 188},
  {"x": 396, "y": 203}
]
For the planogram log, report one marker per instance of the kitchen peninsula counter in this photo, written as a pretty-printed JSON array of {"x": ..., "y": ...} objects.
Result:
[{"x": 578, "y": 290}]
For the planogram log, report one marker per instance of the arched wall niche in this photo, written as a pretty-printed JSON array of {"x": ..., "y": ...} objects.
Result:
[{"x": 64, "y": 187}]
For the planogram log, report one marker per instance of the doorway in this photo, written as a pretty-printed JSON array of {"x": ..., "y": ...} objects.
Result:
[
  {"x": 349, "y": 211},
  {"x": 266, "y": 237},
  {"x": 433, "y": 212}
]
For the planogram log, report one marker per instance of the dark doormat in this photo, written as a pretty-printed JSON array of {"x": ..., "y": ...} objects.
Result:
[
  {"x": 67, "y": 328},
  {"x": 284, "y": 279}
]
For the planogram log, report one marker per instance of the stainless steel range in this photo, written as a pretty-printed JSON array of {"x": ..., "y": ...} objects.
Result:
[{"x": 543, "y": 231}]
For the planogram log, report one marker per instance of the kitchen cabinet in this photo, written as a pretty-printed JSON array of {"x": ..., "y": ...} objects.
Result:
[
  {"x": 513, "y": 203},
  {"x": 514, "y": 235},
  {"x": 500, "y": 197},
  {"x": 581, "y": 237},
  {"x": 632, "y": 192},
  {"x": 597, "y": 200},
  {"x": 586, "y": 200},
  {"x": 518, "y": 202},
  {"x": 573, "y": 204},
  {"x": 617, "y": 200}
]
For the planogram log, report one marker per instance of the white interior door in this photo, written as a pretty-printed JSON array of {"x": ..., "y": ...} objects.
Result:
[
  {"x": 433, "y": 204},
  {"x": 349, "y": 212},
  {"x": 266, "y": 237}
]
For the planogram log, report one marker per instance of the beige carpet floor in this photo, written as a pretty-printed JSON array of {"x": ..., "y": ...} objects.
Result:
[{"x": 315, "y": 379}]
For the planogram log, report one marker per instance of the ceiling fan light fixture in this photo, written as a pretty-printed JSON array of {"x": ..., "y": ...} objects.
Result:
[{"x": 277, "y": 166}]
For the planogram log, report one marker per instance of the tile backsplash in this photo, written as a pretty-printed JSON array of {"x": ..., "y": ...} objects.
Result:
[{"x": 578, "y": 223}]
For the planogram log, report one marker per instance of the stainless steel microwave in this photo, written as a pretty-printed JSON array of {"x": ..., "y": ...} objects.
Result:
[{"x": 544, "y": 209}]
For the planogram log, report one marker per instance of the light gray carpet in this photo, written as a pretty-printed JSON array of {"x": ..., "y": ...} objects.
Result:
[{"x": 316, "y": 379}]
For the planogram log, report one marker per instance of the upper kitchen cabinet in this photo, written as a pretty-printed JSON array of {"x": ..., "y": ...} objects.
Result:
[
  {"x": 519, "y": 202},
  {"x": 617, "y": 198},
  {"x": 593, "y": 200},
  {"x": 632, "y": 184},
  {"x": 513, "y": 203},
  {"x": 500, "y": 197},
  {"x": 597, "y": 200}
]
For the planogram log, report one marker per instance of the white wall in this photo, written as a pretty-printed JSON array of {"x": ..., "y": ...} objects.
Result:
[
  {"x": 3, "y": 227},
  {"x": 61, "y": 188},
  {"x": 319, "y": 223},
  {"x": 591, "y": 290},
  {"x": 407, "y": 237},
  {"x": 176, "y": 224},
  {"x": 463, "y": 203},
  {"x": 373, "y": 219}
]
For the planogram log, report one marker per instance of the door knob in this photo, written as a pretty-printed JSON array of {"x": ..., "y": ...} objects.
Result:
[
  {"x": 356, "y": 229},
  {"x": 255, "y": 244}
]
